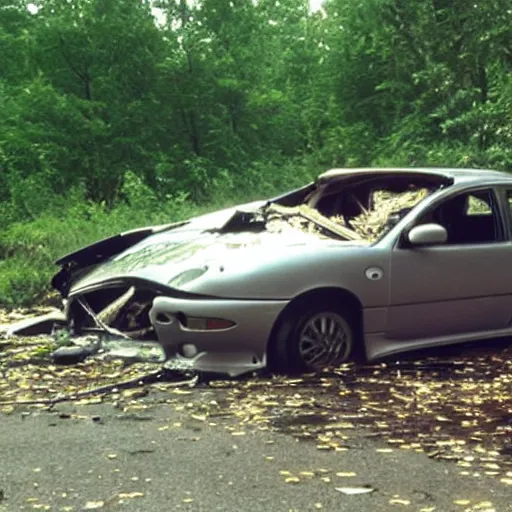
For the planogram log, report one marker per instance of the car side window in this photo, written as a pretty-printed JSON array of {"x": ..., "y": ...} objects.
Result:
[
  {"x": 509, "y": 201},
  {"x": 477, "y": 206},
  {"x": 470, "y": 218}
]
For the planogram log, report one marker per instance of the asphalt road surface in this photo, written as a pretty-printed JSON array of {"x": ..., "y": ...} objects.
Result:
[{"x": 158, "y": 456}]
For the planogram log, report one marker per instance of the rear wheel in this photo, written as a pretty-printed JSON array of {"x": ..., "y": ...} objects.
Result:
[{"x": 312, "y": 337}]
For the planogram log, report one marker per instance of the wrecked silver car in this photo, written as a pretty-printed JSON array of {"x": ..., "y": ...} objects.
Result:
[{"x": 361, "y": 262}]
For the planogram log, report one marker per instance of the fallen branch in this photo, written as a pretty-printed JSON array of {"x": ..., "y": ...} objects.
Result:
[
  {"x": 315, "y": 217},
  {"x": 99, "y": 322},
  {"x": 101, "y": 389},
  {"x": 110, "y": 312}
]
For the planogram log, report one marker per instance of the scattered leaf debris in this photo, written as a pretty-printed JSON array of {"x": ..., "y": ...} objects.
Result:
[
  {"x": 355, "y": 490},
  {"x": 455, "y": 407},
  {"x": 93, "y": 505}
]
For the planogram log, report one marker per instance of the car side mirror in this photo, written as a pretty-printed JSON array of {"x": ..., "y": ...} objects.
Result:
[{"x": 427, "y": 234}]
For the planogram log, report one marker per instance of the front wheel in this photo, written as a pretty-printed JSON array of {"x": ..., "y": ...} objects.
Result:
[{"x": 312, "y": 338}]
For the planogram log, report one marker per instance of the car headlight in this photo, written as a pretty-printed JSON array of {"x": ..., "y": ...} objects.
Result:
[{"x": 187, "y": 276}]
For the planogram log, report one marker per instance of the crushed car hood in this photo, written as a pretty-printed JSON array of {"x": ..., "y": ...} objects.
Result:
[{"x": 177, "y": 260}]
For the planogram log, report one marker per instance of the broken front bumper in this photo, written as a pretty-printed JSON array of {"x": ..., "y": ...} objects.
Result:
[
  {"x": 171, "y": 328},
  {"x": 235, "y": 350}
]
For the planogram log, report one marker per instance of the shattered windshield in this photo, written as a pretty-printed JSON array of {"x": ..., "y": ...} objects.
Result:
[
  {"x": 361, "y": 210},
  {"x": 386, "y": 209}
]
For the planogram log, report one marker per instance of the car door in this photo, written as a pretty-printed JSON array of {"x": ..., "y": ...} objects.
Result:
[{"x": 461, "y": 286}]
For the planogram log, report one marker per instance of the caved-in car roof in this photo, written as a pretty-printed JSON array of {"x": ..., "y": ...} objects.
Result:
[{"x": 450, "y": 174}]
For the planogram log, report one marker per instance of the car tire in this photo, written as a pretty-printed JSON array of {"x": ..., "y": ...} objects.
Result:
[{"x": 314, "y": 336}]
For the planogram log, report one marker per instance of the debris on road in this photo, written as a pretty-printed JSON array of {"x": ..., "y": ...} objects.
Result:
[
  {"x": 46, "y": 370},
  {"x": 454, "y": 408},
  {"x": 355, "y": 490}
]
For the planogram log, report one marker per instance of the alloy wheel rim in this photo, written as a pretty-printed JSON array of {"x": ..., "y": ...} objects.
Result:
[{"x": 324, "y": 340}]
